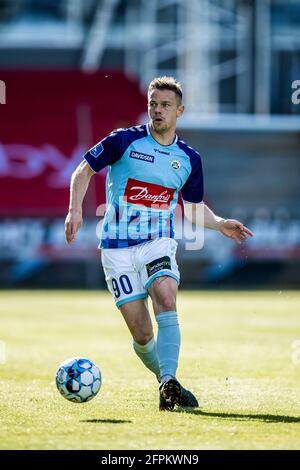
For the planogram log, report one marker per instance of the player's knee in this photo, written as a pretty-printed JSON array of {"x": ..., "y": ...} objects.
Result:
[
  {"x": 167, "y": 302},
  {"x": 143, "y": 338},
  {"x": 142, "y": 333}
]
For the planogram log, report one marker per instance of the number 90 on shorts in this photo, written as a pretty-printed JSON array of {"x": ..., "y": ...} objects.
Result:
[
  {"x": 123, "y": 285},
  {"x": 125, "y": 288}
]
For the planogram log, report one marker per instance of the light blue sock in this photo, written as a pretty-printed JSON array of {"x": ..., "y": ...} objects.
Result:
[
  {"x": 148, "y": 355},
  {"x": 168, "y": 343}
]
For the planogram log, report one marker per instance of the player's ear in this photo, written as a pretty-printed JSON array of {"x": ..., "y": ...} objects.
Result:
[{"x": 180, "y": 110}]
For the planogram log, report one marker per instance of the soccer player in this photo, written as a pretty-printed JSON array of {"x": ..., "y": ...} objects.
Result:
[{"x": 147, "y": 167}]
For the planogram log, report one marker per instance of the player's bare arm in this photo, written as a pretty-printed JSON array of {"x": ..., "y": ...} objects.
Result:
[
  {"x": 79, "y": 185},
  {"x": 200, "y": 214}
]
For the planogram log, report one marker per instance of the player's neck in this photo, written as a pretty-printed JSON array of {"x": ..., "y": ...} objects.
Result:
[{"x": 166, "y": 138}]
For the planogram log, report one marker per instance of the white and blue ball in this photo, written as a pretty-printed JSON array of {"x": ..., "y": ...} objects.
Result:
[{"x": 78, "y": 379}]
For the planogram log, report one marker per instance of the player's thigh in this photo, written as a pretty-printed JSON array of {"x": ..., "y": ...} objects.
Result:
[
  {"x": 137, "y": 318},
  {"x": 123, "y": 280},
  {"x": 163, "y": 292},
  {"x": 159, "y": 273}
]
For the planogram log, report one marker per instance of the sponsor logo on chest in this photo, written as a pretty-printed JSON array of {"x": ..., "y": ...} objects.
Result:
[
  {"x": 141, "y": 156},
  {"x": 148, "y": 194}
]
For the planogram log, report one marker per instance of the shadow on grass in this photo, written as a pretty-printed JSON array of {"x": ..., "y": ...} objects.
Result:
[
  {"x": 109, "y": 421},
  {"x": 242, "y": 417}
]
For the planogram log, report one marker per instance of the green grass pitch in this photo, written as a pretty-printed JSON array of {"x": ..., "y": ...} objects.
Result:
[{"x": 238, "y": 355}]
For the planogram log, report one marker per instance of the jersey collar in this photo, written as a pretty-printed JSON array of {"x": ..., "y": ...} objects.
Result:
[{"x": 149, "y": 133}]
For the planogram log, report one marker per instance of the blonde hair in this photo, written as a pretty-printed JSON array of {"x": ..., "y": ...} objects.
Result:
[{"x": 166, "y": 83}]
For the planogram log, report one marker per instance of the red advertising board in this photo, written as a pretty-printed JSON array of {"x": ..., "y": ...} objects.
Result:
[{"x": 49, "y": 120}]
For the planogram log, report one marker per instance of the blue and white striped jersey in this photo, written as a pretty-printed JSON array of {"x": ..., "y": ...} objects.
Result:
[{"x": 142, "y": 184}]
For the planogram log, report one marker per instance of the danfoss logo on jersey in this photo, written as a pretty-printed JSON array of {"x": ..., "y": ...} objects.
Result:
[{"x": 148, "y": 194}]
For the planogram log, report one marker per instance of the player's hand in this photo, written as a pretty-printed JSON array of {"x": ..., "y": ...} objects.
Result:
[
  {"x": 72, "y": 224},
  {"x": 236, "y": 230}
]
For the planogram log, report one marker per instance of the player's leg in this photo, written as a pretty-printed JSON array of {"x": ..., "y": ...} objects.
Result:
[
  {"x": 124, "y": 283},
  {"x": 137, "y": 318},
  {"x": 161, "y": 277},
  {"x": 163, "y": 292}
]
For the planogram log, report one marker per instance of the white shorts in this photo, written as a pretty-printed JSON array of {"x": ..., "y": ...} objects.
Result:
[{"x": 130, "y": 271}]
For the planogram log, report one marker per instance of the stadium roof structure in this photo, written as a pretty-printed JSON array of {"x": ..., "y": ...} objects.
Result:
[{"x": 232, "y": 56}]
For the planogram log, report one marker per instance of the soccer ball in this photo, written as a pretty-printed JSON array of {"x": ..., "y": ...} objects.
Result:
[{"x": 78, "y": 379}]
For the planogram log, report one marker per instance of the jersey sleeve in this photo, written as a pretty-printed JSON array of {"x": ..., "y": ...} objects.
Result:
[
  {"x": 106, "y": 152},
  {"x": 192, "y": 190}
]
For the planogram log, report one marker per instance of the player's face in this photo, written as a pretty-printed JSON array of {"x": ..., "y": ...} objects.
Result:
[{"x": 163, "y": 108}]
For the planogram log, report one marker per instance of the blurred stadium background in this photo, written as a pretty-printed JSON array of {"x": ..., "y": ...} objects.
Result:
[{"x": 72, "y": 70}]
